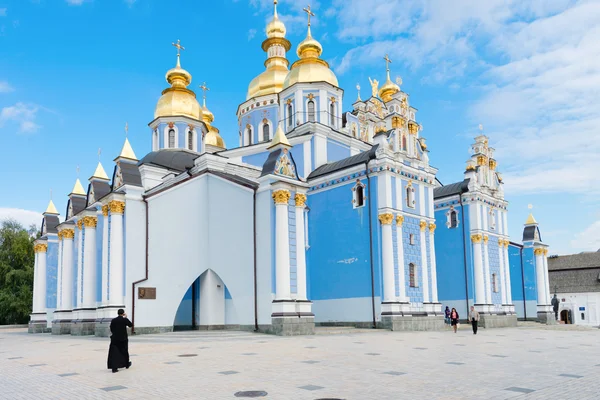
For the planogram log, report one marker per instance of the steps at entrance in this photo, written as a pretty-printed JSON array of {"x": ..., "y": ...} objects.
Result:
[{"x": 344, "y": 330}]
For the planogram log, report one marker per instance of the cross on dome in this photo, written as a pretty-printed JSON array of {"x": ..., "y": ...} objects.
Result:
[
  {"x": 387, "y": 62},
  {"x": 309, "y": 13}
]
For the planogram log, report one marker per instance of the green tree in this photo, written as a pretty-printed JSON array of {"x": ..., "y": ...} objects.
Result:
[{"x": 16, "y": 272}]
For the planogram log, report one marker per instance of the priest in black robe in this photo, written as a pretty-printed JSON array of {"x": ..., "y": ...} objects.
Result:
[{"x": 118, "y": 352}]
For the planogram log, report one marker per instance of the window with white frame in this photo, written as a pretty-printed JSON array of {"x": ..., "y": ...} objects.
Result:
[
  {"x": 311, "y": 111},
  {"x": 494, "y": 283},
  {"x": 266, "y": 132},
  {"x": 412, "y": 275},
  {"x": 190, "y": 140},
  {"x": 452, "y": 218},
  {"x": 358, "y": 195},
  {"x": 411, "y": 239},
  {"x": 171, "y": 138},
  {"x": 290, "y": 114},
  {"x": 248, "y": 136},
  {"x": 410, "y": 195},
  {"x": 332, "y": 113}
]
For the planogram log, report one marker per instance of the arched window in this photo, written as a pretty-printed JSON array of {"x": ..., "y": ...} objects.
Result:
[
  {"x": 332, "y": 114},
  {"x": 411, "y": 239},
  {"x": 410, "y": 196},
  {"x": 171, "y": 138},
  {"x": 354, "y": 133},
  {"x": 155, "y": 142},
  {"x": 453, "y": 219},
  {"x": 266, "y": 134},
  {"x": 311, "y": 111},
  {"x": 248, "y": 136},
  {"x": 290, "y": 115},
  {"x": 494, "y": 283},
  {"x": 404, "y": 146},
  {"x": 412, "y": 275},
  {"x": 358, "y": 196},
  {"x": 190, "y": 140}
]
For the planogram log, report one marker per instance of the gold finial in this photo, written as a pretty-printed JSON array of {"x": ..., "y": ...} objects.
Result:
[
  {"x": 179, "y": 48},
  {"x": 387, "y": 63},
  {"x": 279, "y": 139},
  {"x": 78, "y": 188},
  {"x": 309, "y": 12},
  {"x": 205, "y": 89},
  {"x": 51, "y": 209},
  {"x": 127, "y": 151},
  {"x": 530, "y": 220}
]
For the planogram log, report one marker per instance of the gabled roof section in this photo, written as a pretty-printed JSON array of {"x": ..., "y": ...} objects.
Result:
[
  {"x": 176, "y": 160},
  {"x": 280, "y": 162},
  {"x": 356, "y": 159},
  {"x": 97, "y": 190},
  {"x": 49, "y": 224},
  {"x": 574, "y": 261},
  {"x": 531, "y": 232},
  {"x": 451, "y": 189},
  {"x": 76, "y": 204},
  {"x": 126, "y": 174}
]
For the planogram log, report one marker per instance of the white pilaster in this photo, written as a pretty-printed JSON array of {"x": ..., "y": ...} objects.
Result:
[
  {"x": 67, "y": 270},
  {"x": 323, "y": 116},
  {"x": 105, "y": 239},
  {"x": 478, "y": 270},
  {"x": 400, "y": 256},
  {"x": 540, "y": 279},
  {"x": 507, "y": 272},
  {"x": 424, "y": 269},
  {"x": 115, "y": 271},
  {"x": 387, "y": 257},
  {"x": 503, "y": 281},
  {"x": 486, "y": 268},
  {"x": 78, "y": 295},
  {"x": 320, "y": 150},
  {"x": 59, "y": 273},
  {"x": 546, "y": 277},
  {"x": 36, "y": 272},
  {"x": 300, "y": 199},
  {"x": 39, "y": 284},
  {"x": 282, "y": 245},
  {"x": 434, "y": 289},
  {"x": 89, "y": 264}
]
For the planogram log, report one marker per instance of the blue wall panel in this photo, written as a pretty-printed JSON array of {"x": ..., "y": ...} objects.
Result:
[
  {"x": 336, "y": 151},
  {"x": 412, "y": 254},
  {"x": 257, "y": 159},
  {"x": 51, "y": 273}
]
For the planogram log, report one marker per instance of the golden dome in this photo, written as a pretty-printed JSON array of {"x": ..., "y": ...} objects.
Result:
[
  {"x": 207, "y": 115},
  {"x": 388, "y": 89},
  {"x": 310, "y": 68},
  {"x": 213, "y": 137},
  {"x": 276, "y": 45},
  {"x": 178, "y": 99}
]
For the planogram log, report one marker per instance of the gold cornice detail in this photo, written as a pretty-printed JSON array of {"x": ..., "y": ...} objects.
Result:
[
  {"x": 423, "y": 225},
  {"x": 40, "y": 248},
  {"x": 545, "y": 252},
  {"x": 80, "y": 223},
  {"x": 90, "y": 222},
  {"x": 300, "y": 199},
  {"x": 386, "y": 218},
  {"x": 60, "y": 235},
  {"x": 432, "y": 227},
  {"x": 399, "y": 220},
  {"x": 485, "y": 239},
  {"x": 538, "y": 252},
  {"x": 476, "y": 238},
  {"x": 281, "y": 196},
  {"x": 105, "y": 210},
  {"x": 116, "y": 207},
  {"x": 68, "y": 233}
]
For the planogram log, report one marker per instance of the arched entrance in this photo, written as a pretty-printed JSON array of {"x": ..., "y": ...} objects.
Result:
[
  {"x": 206, "y": 305},
  {"x": 565, "y": 315}
]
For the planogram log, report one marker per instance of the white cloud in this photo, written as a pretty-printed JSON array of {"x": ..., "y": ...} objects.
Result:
[
  {"x": 22, "y": 114},
  {"x": 5, "y": 87},
  {"x": 589, "y": 239},
  {"x": 75, "y": 2},
  {"x": 24, "y": 217},
  {"x": 2, "y": 12},
  {"x": 251, "y": 34}
]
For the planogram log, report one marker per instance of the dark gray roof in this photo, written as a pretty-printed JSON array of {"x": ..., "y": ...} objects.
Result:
[
  {"x": 530, "y": 232},
  {"x": 451, "y": 189},
  {"x": 101, "y": 189},
  {"x": 129, "y": 172},
  {"x": 357, "y": 159},
  {"x": 79, "y": 203},
  {"x": 574, "y": 261},
  {"x": 269, "y": 165},
  {"x": 49, "y": 223},
  {"x": 173, "y": 159}
]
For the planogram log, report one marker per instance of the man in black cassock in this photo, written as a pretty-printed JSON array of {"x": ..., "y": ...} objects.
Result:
[{"x": 118, "y": 352}]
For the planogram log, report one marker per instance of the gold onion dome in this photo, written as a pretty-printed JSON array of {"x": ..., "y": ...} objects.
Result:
[
  {"x": 212, "y": 137},
  {"x": 389, "y": 88},
  {"x": 178, "y": 99},
  {"x": 271, "y": 80},
  {"x": 310, "y": 68}
]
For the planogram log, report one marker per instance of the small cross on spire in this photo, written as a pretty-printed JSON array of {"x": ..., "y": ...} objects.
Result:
[
  {"x": 387, "y": 62},
  {"x": 204, "y": 90},
  {"x": 481, "y": 128},
  {"x": 309, "y": 12},
  {"x": 78, "y": 171},
  {"x": 178, "y": 46},
  {"x": 99, "y": 153}
]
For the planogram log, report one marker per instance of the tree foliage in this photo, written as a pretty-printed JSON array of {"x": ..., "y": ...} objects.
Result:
[{"x": 16, "y": 272}]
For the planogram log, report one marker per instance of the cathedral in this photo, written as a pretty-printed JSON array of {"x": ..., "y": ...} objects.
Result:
[{"x": 318, "y": 216}]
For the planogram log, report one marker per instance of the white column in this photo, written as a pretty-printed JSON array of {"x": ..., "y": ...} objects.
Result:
[
  {"x": 434, "y": 289},
  {"x": 300, "y": 199},
  {"x": 478, "y": 269},
  {"x": 79, "y": 294},
  {"x": 36, "y": 278},
  {"x": 539, "y": 272},
  {"x": 503, "y": 280},
  {"x": 41, "y": 278},
  {"x": 387, "y": 257},
  {"x": 424, "y": 269},
  {"x": 507, "y": 272},
  {"x": 59, "y": 274},
  {"x": 67, "y": 269},
  {"x": 400, "y": 255},
  {"x": 115, "y": 271},
  {"x": 89, "y": 264},
  {"x": 546, "y": 277},
  {"x": 282, "y": 245},
  {"x": 105, "y": 239},
  {"x": 486, "y": 268}
]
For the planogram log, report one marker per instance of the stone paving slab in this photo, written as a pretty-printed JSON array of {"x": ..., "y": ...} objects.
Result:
[{"x": 511, "y": 363}]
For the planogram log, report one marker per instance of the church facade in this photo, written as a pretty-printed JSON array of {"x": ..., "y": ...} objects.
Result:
[{"x": 319, "y": 216}]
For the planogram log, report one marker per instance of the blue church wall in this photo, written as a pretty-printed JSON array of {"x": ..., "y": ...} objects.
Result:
[
  {"x": 336, "y": 151},
  {"x": 255, "y": 116},
  {"x": 99, "y": 235},
  {"x": 257, "y": 159},
  {"x": 494, "y": 259},
  {"x": 450, "y": 262},
  {"x": 412, "y": 254},
  {"x": 428, "y": 256},
  {"x": 338, "y": 260},
  {"x": 51, "y": 273},
  {"x": 292, "y": 236},
  {"x": 298, "y": 157}
]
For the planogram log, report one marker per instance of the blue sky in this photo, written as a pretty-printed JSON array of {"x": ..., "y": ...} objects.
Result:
[{"x": 72, "y": 72}]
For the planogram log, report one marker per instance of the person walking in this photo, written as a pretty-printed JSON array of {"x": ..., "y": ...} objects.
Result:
[
  {"x": 447, "y": 316},
  {"x": 118, "y": 352},
  {"x": 454, "y": 319},
  {"x": 474, "y": 318}
]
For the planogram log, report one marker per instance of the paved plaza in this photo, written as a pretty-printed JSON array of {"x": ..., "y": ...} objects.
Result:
[{"x": 529, "y": 362}]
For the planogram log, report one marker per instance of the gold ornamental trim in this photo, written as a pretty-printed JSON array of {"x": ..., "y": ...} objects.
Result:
[
  {"x": 432, "y": 227},
  {"x": 493, "y": 164},
  {"x": 300, "y": 199},
  {"x": 281, "y": 196},
  {"x": 386, "y": 218},
  {"x": 90, "y": 222},
  {"x": 476, "y": 238},
  {"x": 116, "y": 207},
  {"x": 538, "y": 252},
  {"x": 482, "y": 160},
  {"x": 399, "y": 220},
  {"x": 80, "y": 223},
  {"x": 423, "y": 225},
  {"x": 485, "y": 239},
  {"x": 545, "y": 252},
  {"x": 40, "y": 248},
  {"x": 413, "y": 128},
  {"x": 105, "y": 210},
  {"x": 60, "y": 235},
  {"x": 68, "y": 233}
]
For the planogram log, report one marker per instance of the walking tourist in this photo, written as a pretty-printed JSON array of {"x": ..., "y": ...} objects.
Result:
[
  {"x": 447, "y": 316},
  {"x": 118, "y": 352},
  {"x": 474, "y": 318},
  {"x": 454, "y": 319}
]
